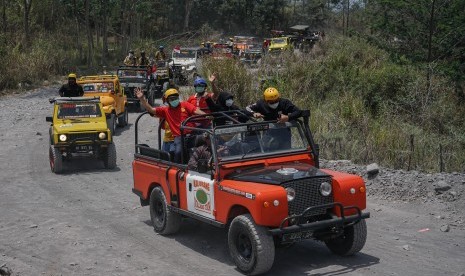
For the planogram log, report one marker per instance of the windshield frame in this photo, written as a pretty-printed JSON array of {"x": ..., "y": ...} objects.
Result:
[
  {"x": 98, "y": 111},
  {"x": 260, "y": 127}
]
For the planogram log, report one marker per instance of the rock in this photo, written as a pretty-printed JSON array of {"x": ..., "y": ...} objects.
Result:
[
  {"x": 372, "y": 169},
  {"x": 406, "y": 247},
  {"x": 441, "y": 186},
  {"x": 453, "y": 193},
  {"x": 445, "y": 228},
  {"x": 5, "y": 271},
  {"x": 33, "y": 226},
  {"x": 73, "y": 264},
  {"x": 38, "y": 133},
  {"x": 128, "y": 255}
]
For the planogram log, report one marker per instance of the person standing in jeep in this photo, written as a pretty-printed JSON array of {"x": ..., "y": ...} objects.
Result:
[
  {"x": 174, "y": 114},
  {"x": 71, "y": 89},
  {"x": 274, "y": 108}
]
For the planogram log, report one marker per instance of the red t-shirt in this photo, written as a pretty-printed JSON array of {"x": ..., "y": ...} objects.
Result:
[
  {"x": 200, "y": 102},
  {"x": 175, "y": 116}
]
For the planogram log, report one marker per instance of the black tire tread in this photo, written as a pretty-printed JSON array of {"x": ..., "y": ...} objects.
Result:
[
  {"x": 109, "y": 157},
  {"x": 172, "y": 221},
  {"x": 264, "y": 249},
  {"x": 58, "y": 160},
  {"x": 351, "y": 242}
]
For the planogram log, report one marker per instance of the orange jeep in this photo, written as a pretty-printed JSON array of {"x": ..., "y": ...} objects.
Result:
[{"x": 262, "y": 181}]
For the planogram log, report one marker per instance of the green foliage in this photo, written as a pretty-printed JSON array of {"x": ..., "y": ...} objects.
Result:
[{"x": 364, "y": 107}]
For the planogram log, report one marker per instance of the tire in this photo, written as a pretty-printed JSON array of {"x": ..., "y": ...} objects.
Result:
[
  {"x": 109, "y": 157},
  {"x": 164, "y": 221},
  {"x": 123, "y": 118},
  {"x": 56, "y": 160},
  {"x": 50, "y": 134},
  {"x": 351, "y": 242},
  {"x": 250, "y": 245},
  {"x": 112, "y": 123}
]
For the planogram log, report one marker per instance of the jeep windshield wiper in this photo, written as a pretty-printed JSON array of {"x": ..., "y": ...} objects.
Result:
[{"x": 249, "y": 151}]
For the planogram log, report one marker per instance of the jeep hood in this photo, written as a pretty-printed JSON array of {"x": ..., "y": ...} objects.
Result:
[
  {"x": 184, "y": 61},
  {"x": 81, "y": 125},
  {"x": 276, "y": 174}
]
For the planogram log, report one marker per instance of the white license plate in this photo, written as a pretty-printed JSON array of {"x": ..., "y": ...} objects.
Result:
[
  {"x": 84, "y": 148},
  {"x": 297, "y": 236}
]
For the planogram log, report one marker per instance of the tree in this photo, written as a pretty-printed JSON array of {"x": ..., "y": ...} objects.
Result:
[{"x": 27, "y": 4}]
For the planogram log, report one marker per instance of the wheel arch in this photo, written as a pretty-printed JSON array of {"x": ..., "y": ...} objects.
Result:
[{"x": 237, "y": 210}]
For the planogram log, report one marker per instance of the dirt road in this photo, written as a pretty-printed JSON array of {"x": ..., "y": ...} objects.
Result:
[{"x": 88, "y": 222}]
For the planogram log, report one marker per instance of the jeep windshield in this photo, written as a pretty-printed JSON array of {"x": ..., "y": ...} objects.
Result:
[
  {"x": 98, "y": 87},
  {"x": 78, "y": 110},
  {"x": 133, "y": 74},
  {"x": 185, "y": 54},
  {"x": 258, "y": 139}
]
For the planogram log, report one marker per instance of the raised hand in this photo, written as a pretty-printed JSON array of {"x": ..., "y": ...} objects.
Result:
[{"x": 139, "y": 93}]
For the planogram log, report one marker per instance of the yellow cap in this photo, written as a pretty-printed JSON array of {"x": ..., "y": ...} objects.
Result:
[
  {"x": 170, "y": 92},
  {"x": 72, "y": 75},
  {"x": 271, "y": 94}
]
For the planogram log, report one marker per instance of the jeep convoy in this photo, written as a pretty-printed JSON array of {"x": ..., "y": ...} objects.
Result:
[
  {"x": 262, "y": 182},
  {"x": 79, "y": 127}
]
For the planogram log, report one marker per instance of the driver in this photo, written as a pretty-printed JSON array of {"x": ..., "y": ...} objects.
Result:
[{"x": 71, "y": 89}]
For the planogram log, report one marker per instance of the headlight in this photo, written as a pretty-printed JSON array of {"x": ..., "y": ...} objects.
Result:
[
  {"x": 290, "y": 194},
  {"x": 183, "y": 68},
  {"x": 63, "y": 138},
  {"x": 102, "y": 135},
  {"x": 325, "y": 189}
]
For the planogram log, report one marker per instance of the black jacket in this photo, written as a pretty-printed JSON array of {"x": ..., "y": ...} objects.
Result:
[
  {"x": 285, "y": 107},
  {"x": 68, "y": 90},
  {"x": 220, "y": 105}
]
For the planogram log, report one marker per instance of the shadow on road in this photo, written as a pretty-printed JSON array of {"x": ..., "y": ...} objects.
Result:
[
  {"x": 82, "y": 164},
  {"x": 304, "y": 258}
]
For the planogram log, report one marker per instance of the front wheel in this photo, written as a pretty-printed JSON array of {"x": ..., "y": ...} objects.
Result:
[
  {"x": 250, "y": 245},
  {"x": 351, "y": 241},
  {"x": 112, "y": 123},
  {"x": 123, "y": 118},
  {"x": 164, "y": 220},
  {"x": 109, "y": 156},
  {"x": 56, "y": 160}
]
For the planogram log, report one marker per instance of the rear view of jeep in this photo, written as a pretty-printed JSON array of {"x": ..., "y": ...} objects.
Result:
[{"x": 79, "y": 128}]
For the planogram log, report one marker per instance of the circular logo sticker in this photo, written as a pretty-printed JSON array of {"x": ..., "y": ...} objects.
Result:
[{"x": 201, "y": 196}]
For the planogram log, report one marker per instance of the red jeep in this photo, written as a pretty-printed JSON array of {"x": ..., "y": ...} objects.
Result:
[{"x": 262, "y": 181}]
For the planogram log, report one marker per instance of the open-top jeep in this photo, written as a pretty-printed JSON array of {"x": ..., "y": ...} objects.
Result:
[
  {"x": 132, "y": 77},
  {"x": 186, "y": 61},
  {"x": 112, "y": 97},
  {"x": 263, "y": 181},
  {"x": 79, "y": 127}
]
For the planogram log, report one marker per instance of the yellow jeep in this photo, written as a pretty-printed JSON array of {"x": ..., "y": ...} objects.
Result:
[
  {"x": 112, "y": 97},
  {"x": 79, "y": 127},
  {"x": 281, "y": 44}
]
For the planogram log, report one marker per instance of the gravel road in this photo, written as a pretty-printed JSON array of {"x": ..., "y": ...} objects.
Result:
[{"x": 88, "y": 222}]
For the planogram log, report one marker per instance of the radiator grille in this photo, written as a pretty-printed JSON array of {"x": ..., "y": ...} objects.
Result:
[
  {"x": 307, "y": 194},
  {"x": 83, "y": 137}
]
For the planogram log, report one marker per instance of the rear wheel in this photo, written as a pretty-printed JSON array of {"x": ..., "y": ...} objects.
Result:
[
  {"x": 250, "y": 245},
  {"x": 109, "y": 156},
  {"x": 164, "y": 220},
  {"x": 351, "y": 242},
  {"x": 56, "y": 160},
  {"x": 123, "y": 118}
]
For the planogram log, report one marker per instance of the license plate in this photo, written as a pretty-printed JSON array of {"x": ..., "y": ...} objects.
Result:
[
  {"x": 84, "y": 148},
  {"x": 297, "y": 236}
]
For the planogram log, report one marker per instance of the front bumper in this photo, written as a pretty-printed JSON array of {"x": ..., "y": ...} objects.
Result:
[{"x": 311, "y": 227}]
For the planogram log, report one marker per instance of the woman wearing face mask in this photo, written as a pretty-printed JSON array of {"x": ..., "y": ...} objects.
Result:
[
  {"x": 224, "y": 102},
  {"x": 174, "y": 114},
  {"x": 274, "y": 108}
]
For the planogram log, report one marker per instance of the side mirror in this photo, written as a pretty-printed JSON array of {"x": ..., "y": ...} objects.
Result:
[{"x": 49, "y": 119}]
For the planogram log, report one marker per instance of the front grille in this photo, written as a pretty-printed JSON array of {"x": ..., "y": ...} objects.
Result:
[
  {"x": 83, "y": 137},
  {"x": 307, "y": 194}
]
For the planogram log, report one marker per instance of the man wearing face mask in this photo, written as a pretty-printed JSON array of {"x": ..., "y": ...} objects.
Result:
[
  {"x": 199, "y": 99},
  {"x": 130, "y": 59},
  {"x": 174, "y": 114},
  {"x": 224, "y": 102},
  {"x": 71, "y": 89},
  {"x": 274, "y": 108}
]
